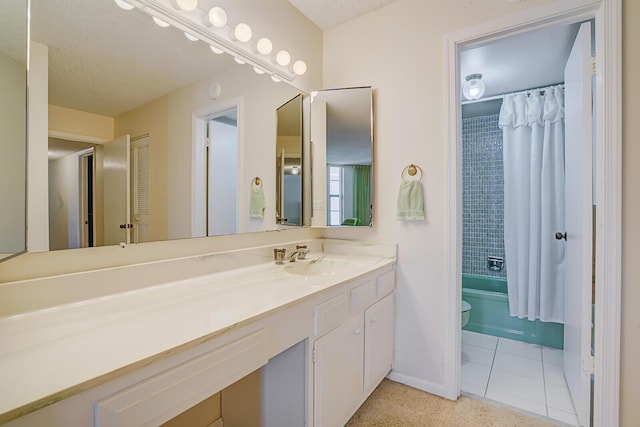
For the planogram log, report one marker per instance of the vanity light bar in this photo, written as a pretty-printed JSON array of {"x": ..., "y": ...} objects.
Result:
[{"x": 191, "y": 22}]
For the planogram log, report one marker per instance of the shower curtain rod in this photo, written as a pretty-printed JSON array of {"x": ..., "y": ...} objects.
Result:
[{"x": 501, "y": 96}]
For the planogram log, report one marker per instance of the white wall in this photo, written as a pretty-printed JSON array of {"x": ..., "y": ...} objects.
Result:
[
  {"x": 64, "y": 198},
  {"x": 223, "y": 182},
  {"x": 12, "y": 160},
  {"x": 38, "y": 146},
  {"x": 399, "y": 50}
]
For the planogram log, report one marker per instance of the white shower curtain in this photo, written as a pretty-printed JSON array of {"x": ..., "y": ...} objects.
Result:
[{"x": 533, "y": 150}]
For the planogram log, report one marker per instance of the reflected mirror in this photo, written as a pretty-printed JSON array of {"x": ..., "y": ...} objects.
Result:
[
  {"x": 13, "y": 103},
  {"x": 151, "y": 136},
  {"x": 289, "y": 155},
  {"x": 342, "y": 150}
]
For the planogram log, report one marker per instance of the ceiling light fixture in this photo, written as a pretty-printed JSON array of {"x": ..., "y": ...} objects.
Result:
[
  {"x": 243, "y": 32},
  {"x": 201, "y": 22},
  {"x": 473, "y": 87},
  {"x": 186, "y": 5},
  {"x": 123, "y": 5},
  {"x": 238, "y": 60},
  {"x": 258, "y": 70}
]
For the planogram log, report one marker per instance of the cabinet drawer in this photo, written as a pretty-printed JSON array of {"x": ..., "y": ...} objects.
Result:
[
  {"x": 329, "y": 314},
  {"x": 385, "y": 284},
  {"x": 163, "y": 396},
  {"x": 363, "y": 296}
]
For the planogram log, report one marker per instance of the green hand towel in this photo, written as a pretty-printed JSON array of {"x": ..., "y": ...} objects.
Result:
[
  {"x": 257, "y": 203},
  {"x": 410, "y": 201}
]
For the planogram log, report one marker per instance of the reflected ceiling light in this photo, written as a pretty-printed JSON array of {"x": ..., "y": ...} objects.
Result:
[
  {"x": 283, "y": 58},
  {"x": 242, "y": 32},
  {"x": 238, "y": 60},
  {"x": 264, "y": 46},
  {"x": 123, "y": 4},
  {"x": 216, "y": 17},
  {"x": 300, "y": 67},
  {"x": 295, "y": 170},
  {"x": 160, "y": 22},
  {"x": 275, "y": 79},
  {"x": 186, "y": 5},
  {"x": 258, "y": 70},
  {"x": 216, "y": 50},
  {"x": 473, "y": 87},
  {"x": 190, "y": 37}
]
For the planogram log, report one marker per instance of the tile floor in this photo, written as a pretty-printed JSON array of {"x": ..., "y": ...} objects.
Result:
[{"x": 526, "y": 376}]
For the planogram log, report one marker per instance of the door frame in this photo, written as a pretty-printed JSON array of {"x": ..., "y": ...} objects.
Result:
[
  {"x": 200, "y": 118},
  {"x": 607, "y": 14},
  {"x": 84, "y": 188}
]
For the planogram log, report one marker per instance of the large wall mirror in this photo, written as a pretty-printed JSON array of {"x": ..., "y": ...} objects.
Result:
[
  {"x": 342, "y": 140},
  {"x": 151, "y": 136},
  {"x": 13, "y": 101}
]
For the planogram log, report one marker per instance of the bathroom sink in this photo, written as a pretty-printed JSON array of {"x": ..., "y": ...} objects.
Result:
[{"x": 317, "y": 267}]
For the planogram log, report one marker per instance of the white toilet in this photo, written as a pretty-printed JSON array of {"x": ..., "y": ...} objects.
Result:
[{"x": 466, "y": 312}]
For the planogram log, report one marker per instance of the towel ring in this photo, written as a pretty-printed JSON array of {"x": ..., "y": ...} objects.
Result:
[
  {"x": 257, "y": 181},
  {"x": 411, "y": 170}
]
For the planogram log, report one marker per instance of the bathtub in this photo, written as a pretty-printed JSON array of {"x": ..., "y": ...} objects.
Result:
[{"x": 490, "y": 314}]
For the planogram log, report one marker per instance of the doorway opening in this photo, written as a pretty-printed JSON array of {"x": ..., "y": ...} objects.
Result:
[{"x": 526, "y": 309}]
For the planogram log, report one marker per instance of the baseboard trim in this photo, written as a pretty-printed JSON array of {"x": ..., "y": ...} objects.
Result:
[{"x": 428, "y": 386}]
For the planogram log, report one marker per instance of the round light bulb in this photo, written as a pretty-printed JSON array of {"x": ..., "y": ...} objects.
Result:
[
  {"x": 264, "y": 46},
  {"x": 186, "y": 5},
  {"x": 283, "y": 58},
  {"x": 216, "y": 50},
  {"x": 299, "y": 67},
  {"x": 123, "y": 4},
  {"x": 243, "y": 32},
  {"x": 160, "y": 22},
  {"x": 239, "y": 61},
  {"x": 295, "y": 170},
  {"x": 190, "y": 37},
  {"x": 258, "y": 70},
  {"x": 217, "y": 17},
  {"x": 275, "y": 79},
  {"x": 473, "y": 87}
]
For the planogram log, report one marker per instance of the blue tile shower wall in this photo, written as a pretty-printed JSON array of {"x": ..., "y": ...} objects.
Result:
[{"x": 482, "y": 195}]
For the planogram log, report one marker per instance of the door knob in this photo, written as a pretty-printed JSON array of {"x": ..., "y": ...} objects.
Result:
[{"x": 560, "y": 236}]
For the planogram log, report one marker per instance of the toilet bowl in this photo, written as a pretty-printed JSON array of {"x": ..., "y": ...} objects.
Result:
[{"x": 466, "y": 312}]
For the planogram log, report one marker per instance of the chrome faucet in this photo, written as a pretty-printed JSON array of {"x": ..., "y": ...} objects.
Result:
[{"x": 300, "y": 253}]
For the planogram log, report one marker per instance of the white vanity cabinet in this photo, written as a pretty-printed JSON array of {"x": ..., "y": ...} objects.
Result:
[{"x": 352, "y": 359}]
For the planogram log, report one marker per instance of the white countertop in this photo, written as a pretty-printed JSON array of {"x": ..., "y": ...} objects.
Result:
[{"x": 50, "y": 351}]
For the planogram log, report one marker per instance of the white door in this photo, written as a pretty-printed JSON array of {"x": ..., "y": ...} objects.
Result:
[
  {"x": 222, "y": 187},
  {"x": 578, "y": 211},
  {"x": 140, "y": 190},
  {"x": 116, "y": 202}
]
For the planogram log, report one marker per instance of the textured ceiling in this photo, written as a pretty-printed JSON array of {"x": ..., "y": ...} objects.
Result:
[{"x": 328, "y": 13}]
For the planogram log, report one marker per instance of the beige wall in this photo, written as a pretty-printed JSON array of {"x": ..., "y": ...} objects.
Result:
[
  {"x": 76, "y": 122},
  {"x": 629, "y": 368},
  {"x": 13, "y": 98},
  {"x": 152, "y": 119}
]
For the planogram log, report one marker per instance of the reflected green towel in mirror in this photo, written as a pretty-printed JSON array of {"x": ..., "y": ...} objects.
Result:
[{"x": 410, "y": 201}]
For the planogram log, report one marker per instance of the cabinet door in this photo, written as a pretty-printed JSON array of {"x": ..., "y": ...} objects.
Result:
[
  {"x": 379, "y": 342},
  {"x": 338, "y": 373}
]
